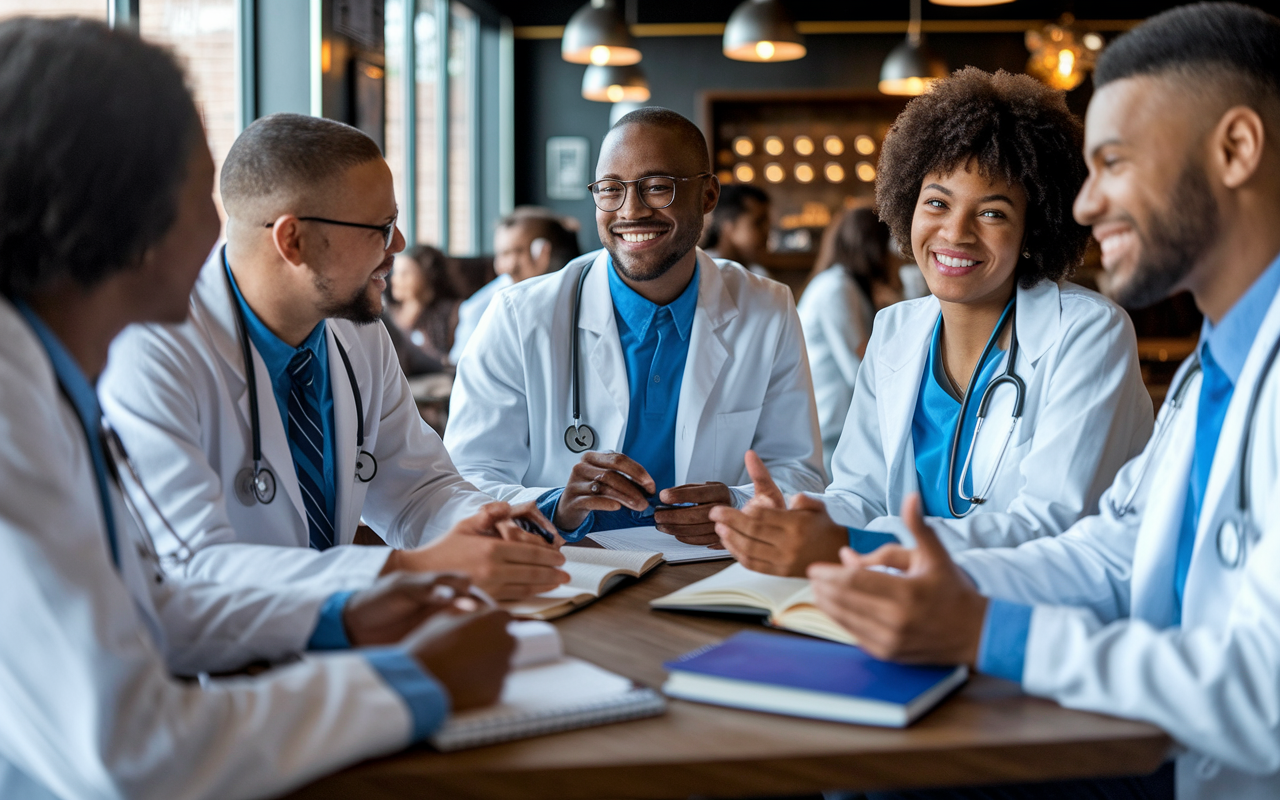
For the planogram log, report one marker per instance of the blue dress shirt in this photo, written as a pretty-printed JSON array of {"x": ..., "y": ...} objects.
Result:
[
  {"x": 655, "y": 347},
  {"x": 1223, "y": 350},
  {"x": 276, "y": 355}
]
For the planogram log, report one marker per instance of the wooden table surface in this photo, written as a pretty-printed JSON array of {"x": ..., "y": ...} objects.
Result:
[{"x": 987, "y": 732}]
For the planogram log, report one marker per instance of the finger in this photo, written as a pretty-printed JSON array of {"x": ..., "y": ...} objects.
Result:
[
  {"x": 697, "y": 540},
  {"x": 853, "y": 581},
  {"x": 530, "y": 512},
  {"x": 888, "y": 555},
  {"x": 696, "y": 493},
  {"x": 625, "y": 465},
  {"x": 690, "y": 515},
  {"x": 701, "y": 529},
  {"x": 484, "y": 521},
  {"x": 512, "y": 532},
  {"x": 747, "y": 526},
  {"x": 532, "y": 554},
  {"x": 525, "y": 575},
  {"x": 619, "y": 487},
  {"x": 762, "y": 481},
  {"x": 930, "y": 552},
  {"x": 803, "y": 502}
]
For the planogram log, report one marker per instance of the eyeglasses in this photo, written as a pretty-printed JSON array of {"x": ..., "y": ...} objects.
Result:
[
  {"x": 655, "y": 191},
  {"x": 388, "y": 231}
]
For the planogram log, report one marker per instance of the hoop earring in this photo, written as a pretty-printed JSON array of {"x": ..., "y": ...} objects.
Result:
[{"x": 1026, "y": 254}]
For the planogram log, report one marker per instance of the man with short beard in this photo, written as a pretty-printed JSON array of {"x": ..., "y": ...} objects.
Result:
[
  {"x": 268, "y": 486},
  {"x": 686, "y": 362}
]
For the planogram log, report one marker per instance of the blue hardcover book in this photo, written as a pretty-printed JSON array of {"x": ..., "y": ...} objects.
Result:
[{"x": 809, "y": 678}]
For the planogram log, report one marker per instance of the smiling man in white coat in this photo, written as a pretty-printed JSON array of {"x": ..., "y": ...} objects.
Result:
[
  {"x": 1164, "y": 607},
  {"x": 637, "y": 377},
  {"x": 271, "y": 423},
  {"x": 106, "y": 196}
]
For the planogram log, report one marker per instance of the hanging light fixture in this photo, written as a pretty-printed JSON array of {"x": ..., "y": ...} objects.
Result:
[
  {"x": 597, "y": 34},
  {"x": 969, "y": 3},
  {"x": 1061, "y": 55},
  {"x": 911, "y": 66},
  {"x": 761, "y": 30},
  {"x": 615, "y": 84}
]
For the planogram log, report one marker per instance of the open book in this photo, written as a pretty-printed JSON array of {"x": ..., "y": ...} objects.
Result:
[
  {"x": 786, "y": 602},
  {"x": 593, "y": 572},
  {"x": 673, "y": 550},
  {"x": 547, "y": 692}
]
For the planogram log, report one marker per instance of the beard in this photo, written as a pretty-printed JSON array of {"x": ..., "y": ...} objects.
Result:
[
  {"x": 1174, "y": 242},
  {"x": 362, "y": 307},
  {"x": 678, "y": 249}
]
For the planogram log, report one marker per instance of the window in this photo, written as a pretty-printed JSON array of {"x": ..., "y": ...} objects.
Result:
[
  {"x": 463, "y": 67},
  {"x": 97, "y": 9}
]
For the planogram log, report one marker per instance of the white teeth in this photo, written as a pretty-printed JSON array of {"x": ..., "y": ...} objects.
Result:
[
  {"x": 638, "y": 237},
  {"x": 948, "y": 261},
  {"x": 1115, "y": 241}
]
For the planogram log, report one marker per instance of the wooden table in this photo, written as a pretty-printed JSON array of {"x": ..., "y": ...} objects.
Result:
[{"x": 988, "y": 732}]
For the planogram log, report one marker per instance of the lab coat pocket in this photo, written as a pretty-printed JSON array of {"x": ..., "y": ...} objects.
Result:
[{"x": 735, "y": 433}]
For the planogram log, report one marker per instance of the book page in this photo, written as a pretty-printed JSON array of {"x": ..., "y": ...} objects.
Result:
[
  {"x": 737, "y": 585},
  {"x": 651, "y": 539},
  {"x": 633, "y": 562},
  {"x": 545, "y": 688}
]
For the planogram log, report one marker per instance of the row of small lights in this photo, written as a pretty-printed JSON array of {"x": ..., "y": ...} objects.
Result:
[
  {"x": 744, "y": 146},
  {"x": 804, "y": 172},
  {"x": 804, "y": 145}
]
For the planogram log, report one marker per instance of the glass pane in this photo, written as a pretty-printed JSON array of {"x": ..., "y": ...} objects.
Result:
[
  {"x": 462, "y": 73},
  {"x": 54, "y": 8},
  {"x": 393, "y": 134},
  {"x": 203, "y": 35},
  {"x": 426, "y": 42}
]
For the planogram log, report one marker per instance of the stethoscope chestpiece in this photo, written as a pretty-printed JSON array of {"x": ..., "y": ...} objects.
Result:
[
  {"x": 366, "y": 466},
  {"x": 255, "y": 486},
  {"x": 1231, "y": 542},
  {"x": 579, "y": 438}
]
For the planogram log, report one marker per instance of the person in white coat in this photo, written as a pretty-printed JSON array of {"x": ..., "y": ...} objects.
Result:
[
  {"x": 262, "y": 475},
  {"x": 1164, "y": 607},
  {"x": 1052, "y": 366},
  {"x": 106, "y": 190},
  {"x": 683, "y": 362}
]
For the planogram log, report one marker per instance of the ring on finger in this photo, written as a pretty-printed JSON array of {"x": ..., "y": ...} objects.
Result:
[{"x": 595, "y": 487}]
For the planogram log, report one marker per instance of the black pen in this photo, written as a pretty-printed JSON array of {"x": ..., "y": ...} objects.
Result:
[{"x": 526, "y": 525}]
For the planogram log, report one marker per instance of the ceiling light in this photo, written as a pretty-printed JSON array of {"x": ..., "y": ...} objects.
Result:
[
  {"x": 774, "y": 173},
  {"x": 773, "y": 145},
  {"x": 743, "y": 146},
  {"x": 761, "y": 30},
  {"x": 1060, "y": 54},
  {"x": 864, "y": 144},
  {"x": 615, "y": 84},
  {"x": 911, "y": 66},
  {"x": 596, "y": 34},
  {"x": 743, "y": 173},
  {"x": 833, "y": 144},
  {"x": 803, "y": 145},
  {"x": 866, "y": 171},
  {"x": 834, "y": 172},
  {"x": 970, "y": 3}
]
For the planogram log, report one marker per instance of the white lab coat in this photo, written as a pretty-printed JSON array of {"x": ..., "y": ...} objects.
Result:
[
  {"x": 746, "y": 384},
  {"x": 1086, "y": 413},
  {"x": 91, "y": 705},
  {"x": 177, "y": 396},
  {"x": 1103, "y": 593}
]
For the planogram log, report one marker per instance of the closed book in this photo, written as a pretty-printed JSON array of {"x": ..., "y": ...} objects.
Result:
[{"x": 810, "y": 678}]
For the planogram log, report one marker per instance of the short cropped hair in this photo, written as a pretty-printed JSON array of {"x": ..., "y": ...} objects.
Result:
[
  {"x": 284, "y": 155},
  {"x": 690, "y": 135},
  {"x": 1015, "y": 128},
  {"x": 97, "y": 131},
  {"x": 732, "y": 204},
  {"x": 545, "y": 224}
]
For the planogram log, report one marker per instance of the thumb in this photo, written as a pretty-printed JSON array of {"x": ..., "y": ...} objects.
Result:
[
  {"x": 765, "y": 488},
  {"x": 929, "y": 550},
  {"x": 803, "y": 502},
  {"x": 486, "y": 520}
]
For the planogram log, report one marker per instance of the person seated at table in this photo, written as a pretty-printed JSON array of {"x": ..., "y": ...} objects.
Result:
[
  {"x": 855, "y": 275},
  {"x": 528, "y": 242},
  {"x": 272, "y": 423},
  {"x": 423, "y": 310},
  {"x": 644, "y": 369},
  {"x": 1164, "y": 607},
  {"x": 738, "y": 228},
  {"x": 976, "y": 176},
  {"x": 106, "y": 195}
]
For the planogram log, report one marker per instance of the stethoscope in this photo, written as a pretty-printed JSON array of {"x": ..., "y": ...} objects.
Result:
[
  {"x": 579, "y": 436},
  {"x": 116, "y": 455},
  {"x": 1009, "y": 377},
  {"x": 256, "y": 483}
]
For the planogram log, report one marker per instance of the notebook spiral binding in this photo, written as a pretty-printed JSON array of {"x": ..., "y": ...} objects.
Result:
[{"x": 635, "y": 704}]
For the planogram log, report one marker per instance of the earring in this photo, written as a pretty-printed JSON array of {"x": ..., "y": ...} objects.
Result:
[{"x": 1026, "y": 254}]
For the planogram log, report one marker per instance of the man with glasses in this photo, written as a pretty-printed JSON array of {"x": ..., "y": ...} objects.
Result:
[
  {"x": 683, "y": 364},
  {"x": 263, "y": 476}
]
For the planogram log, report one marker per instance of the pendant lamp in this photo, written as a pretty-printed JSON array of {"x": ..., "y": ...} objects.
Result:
[
  {"x": 762, "y": 30},
  {"x": 969, "y": 3},
  {"x": 597, "y": 34},
  {"x": 911, "y": 66},
  {"x": 615, "y": 84}
]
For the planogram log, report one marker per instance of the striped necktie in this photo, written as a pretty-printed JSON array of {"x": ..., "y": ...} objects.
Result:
[{"x": 306, "y": 443}]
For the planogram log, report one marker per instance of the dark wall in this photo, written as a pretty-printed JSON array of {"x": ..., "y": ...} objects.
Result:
[{"x": 549, "y": 100}]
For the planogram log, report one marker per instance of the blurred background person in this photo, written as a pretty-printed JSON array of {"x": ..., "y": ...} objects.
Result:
[
  {"x": 738, "y": 228},
  {"x": 855, "y": 276},
  {"x": 423, "y": 310},
  {"x": 528, "y": 242}
]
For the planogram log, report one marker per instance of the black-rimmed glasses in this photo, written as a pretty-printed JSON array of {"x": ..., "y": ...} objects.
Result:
[
  {"x": 655, "y": 191},
  {"x": 388, "y": 231}
]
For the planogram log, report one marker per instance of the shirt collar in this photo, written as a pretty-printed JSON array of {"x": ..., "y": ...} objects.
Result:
[
  {"x": 275, "y": 352},
  {"x": 1230, "y": 340},
  {"x": 639, "y": 312}
]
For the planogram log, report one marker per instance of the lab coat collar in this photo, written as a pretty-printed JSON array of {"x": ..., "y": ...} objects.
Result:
[
  {"x": 344, "y": 428},
  {"x": 597, "y": 300}
]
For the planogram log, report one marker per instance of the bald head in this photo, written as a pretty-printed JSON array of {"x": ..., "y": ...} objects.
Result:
[
  {"x": 685, "y": 140},
  {"x": 282, "y": 159}
]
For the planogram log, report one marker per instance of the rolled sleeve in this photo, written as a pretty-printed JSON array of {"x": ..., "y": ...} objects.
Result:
[
  {"x": 427, "y": 700},
  {"x": 1002, "y": 651},
  {"x": 864, "y": 541},
  {"x": 330, "y": 633},
  {"x": 547, "y": 505}
]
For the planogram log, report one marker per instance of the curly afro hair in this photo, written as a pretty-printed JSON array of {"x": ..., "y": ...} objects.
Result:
[{"x": 1015, "y": 128}]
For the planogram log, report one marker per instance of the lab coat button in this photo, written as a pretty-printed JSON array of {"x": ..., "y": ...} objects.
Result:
[{"x": 657, "y": 379}]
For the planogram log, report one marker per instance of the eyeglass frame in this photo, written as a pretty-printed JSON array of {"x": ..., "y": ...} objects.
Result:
[
  {"x": 388, "y": 231},
  {"x": 623, "y": 202}
]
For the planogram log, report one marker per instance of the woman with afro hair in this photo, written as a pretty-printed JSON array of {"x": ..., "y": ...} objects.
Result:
[{"x": 976, "y": 182}]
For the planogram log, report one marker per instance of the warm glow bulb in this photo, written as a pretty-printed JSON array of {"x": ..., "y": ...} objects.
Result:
[
  {"x": 743, "y": 146},
  {"x": 744, "y": 173},
  {"x": 1093, "y": 41},
  {"x": 865, "y": 145},
  {"x": 773, "y": 145},
  {"x": 765, "y": 50},
  {"x": 774, "y": 173},
  {"x": 804, "y": 172},
  {"x": 834, "y": 172},
  {"x": 803, "y": 145},
  {"x": 1066, "y": 63},
  {"x": 615, "y": 93},
  {"x": 600, "y": 55},
  {"x": 833, "y": 144},
  {"x": 866, "y": 172}
]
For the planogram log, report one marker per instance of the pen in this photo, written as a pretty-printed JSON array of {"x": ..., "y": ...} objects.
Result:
[{"x": 526, "y": 525}]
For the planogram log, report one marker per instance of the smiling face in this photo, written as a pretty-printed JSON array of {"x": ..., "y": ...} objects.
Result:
[
  {"x": 645, "y": 242},
  {"x": 967, "y": 234},
  {"x": 1147, "y": 195}
]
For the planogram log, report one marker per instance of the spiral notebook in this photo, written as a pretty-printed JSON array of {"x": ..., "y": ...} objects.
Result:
[{"x": 548, "y": 692}]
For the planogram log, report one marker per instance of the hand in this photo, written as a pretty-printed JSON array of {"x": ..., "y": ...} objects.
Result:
[
  {"x": 781, "y": 542},
  {"x": 468, "y": 652},
  {"x": 931, "y": 614},
  {"x": 603, "y": 482},
  {"x": 530, "y": 516},
  {"x": 692, "y": 524},
  {"x": 766, "y": 494},
  {"x": 500, "y": 559},
  {"x": 387, "y": 611}
]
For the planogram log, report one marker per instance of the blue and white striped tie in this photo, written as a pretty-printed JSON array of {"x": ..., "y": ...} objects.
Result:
[{"x": 306, "y": 443}]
